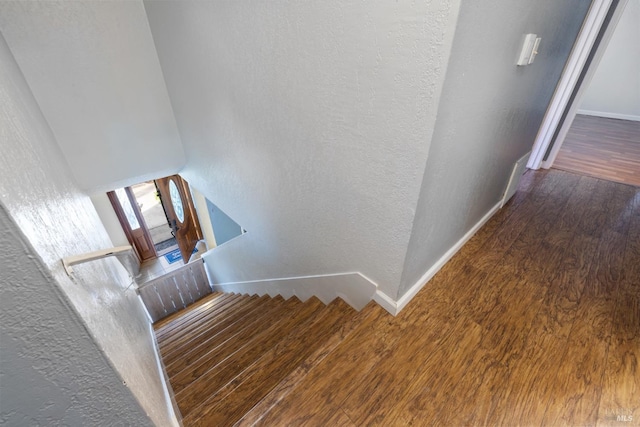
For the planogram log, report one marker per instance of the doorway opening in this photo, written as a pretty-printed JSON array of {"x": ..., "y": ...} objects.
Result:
[
  {"x": 589, "y": 48},
  {"x": 169, "y": 224},
  {"x": 153, "y": 212},
  {"x": 159, "y": 219},
  {"x": 603, "y": 140}
]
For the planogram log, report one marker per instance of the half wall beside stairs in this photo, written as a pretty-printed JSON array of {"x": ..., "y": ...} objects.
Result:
[
  {"x": 175, "y": 291},
  {"x": 354, "y": 288}
]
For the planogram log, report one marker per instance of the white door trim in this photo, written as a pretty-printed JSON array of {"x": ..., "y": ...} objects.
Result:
[
  {"x": 570, "y": 76},
  {"x": 593, "y": 66}
]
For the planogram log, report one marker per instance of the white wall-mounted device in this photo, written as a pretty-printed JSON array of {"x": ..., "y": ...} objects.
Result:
[{"x": 529, "y": 49}]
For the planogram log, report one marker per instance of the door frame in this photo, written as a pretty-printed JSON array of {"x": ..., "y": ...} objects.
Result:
[
  {"x": 124, "y": 223},
  {"x": 591, "y": 43}
]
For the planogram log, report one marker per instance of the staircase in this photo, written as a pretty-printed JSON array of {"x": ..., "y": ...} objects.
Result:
[{"x": 228, "y": 354}]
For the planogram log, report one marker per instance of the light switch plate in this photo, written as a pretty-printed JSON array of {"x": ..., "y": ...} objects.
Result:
[{"x": 527, "y": 49}]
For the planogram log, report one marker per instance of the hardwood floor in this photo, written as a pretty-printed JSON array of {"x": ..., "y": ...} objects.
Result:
[
  {"x": 603, "y": 148},
  {"x": 536, "y": 321}
]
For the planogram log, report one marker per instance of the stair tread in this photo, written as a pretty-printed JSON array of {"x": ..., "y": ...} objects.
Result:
[
  {"x": 204, "y": 312},
  {"x": 207, "y": 384},
  {"x": 239, "y": 395},
  {"x": 222, "y": 352},
  {"x": 370, "y": 314},
  {"x": 192, "y": 312},
  {"x": 215, "y": 311},
  {"x": 166, "y": 324},
  {"x": 219, "y": 321},
  {"x": 231, "y": 357},
  {"x": 249, "y": 324}
]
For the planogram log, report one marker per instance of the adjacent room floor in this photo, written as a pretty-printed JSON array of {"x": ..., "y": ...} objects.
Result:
[
  {"x": 536, "y": 321},
  {"x": 602, "y": 148}
]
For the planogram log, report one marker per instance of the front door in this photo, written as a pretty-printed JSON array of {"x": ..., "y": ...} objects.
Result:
[{"x": 178, "y": 205}]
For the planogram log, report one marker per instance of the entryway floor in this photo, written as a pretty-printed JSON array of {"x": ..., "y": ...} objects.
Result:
[{"x": 157, "y": 267}]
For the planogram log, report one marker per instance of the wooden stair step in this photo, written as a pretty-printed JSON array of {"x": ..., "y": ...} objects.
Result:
[
  {"x": 187, "y": 315},
  {"x": 207, "y": 313},
  {"x": 226, "y": 349},
  {"x": 239, "y": 395},
  {"x": 218, "y": 325},
  {"x": 186, "y": 369},
  {"x": 209, "y": 383},
  {"x": 224, "y": 308},
  {"x": 164, "y": 326},
  {"x": 210, "y": 331},
  {"x": 370, "y": 314}
]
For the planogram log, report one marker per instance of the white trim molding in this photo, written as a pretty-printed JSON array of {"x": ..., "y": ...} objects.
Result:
[
  {"x": 571, "y": 109},
  {"x": 610, "y": 115},
  {"x": 514, "y": 180},
  {"x": 354, "y": 288},
  {"x": 570, "y": 76},
  {"x": 395, "y": 306},
  {"x": 386, "y": 302},
  {"x": 172, "y": 406}
]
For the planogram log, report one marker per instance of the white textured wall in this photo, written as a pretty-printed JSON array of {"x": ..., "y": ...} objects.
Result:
[
  {"x": 109, "y": 219},
  {"x": 615, "y": 87},
  {"x": 94, "y": 71},
  {"x": 200, "y": 203},
  {"x": 55, "y": 366},
  {"x": 52, "y": 371},
  {"x": 488, "y": 117},
  {"x": 308, "y": 123}
]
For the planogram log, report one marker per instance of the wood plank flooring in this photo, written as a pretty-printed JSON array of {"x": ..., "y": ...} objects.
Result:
[
  {"x": 603, "y": 148},
  {"x": 536, "y": 321}
]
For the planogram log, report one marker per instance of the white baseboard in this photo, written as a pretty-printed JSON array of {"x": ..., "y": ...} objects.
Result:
[
  {"x": 354, "y": 288},
  {"x": 172, "y": 406},
  {"x": 386, "y": 302},
  {"x": 394, "y": 307},
  {"x": 514, "y": 180},
  {"x": 609, "y": 115}
]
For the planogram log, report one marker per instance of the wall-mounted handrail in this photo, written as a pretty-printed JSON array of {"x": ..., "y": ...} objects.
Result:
[{"x": 67, "y": 262}]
